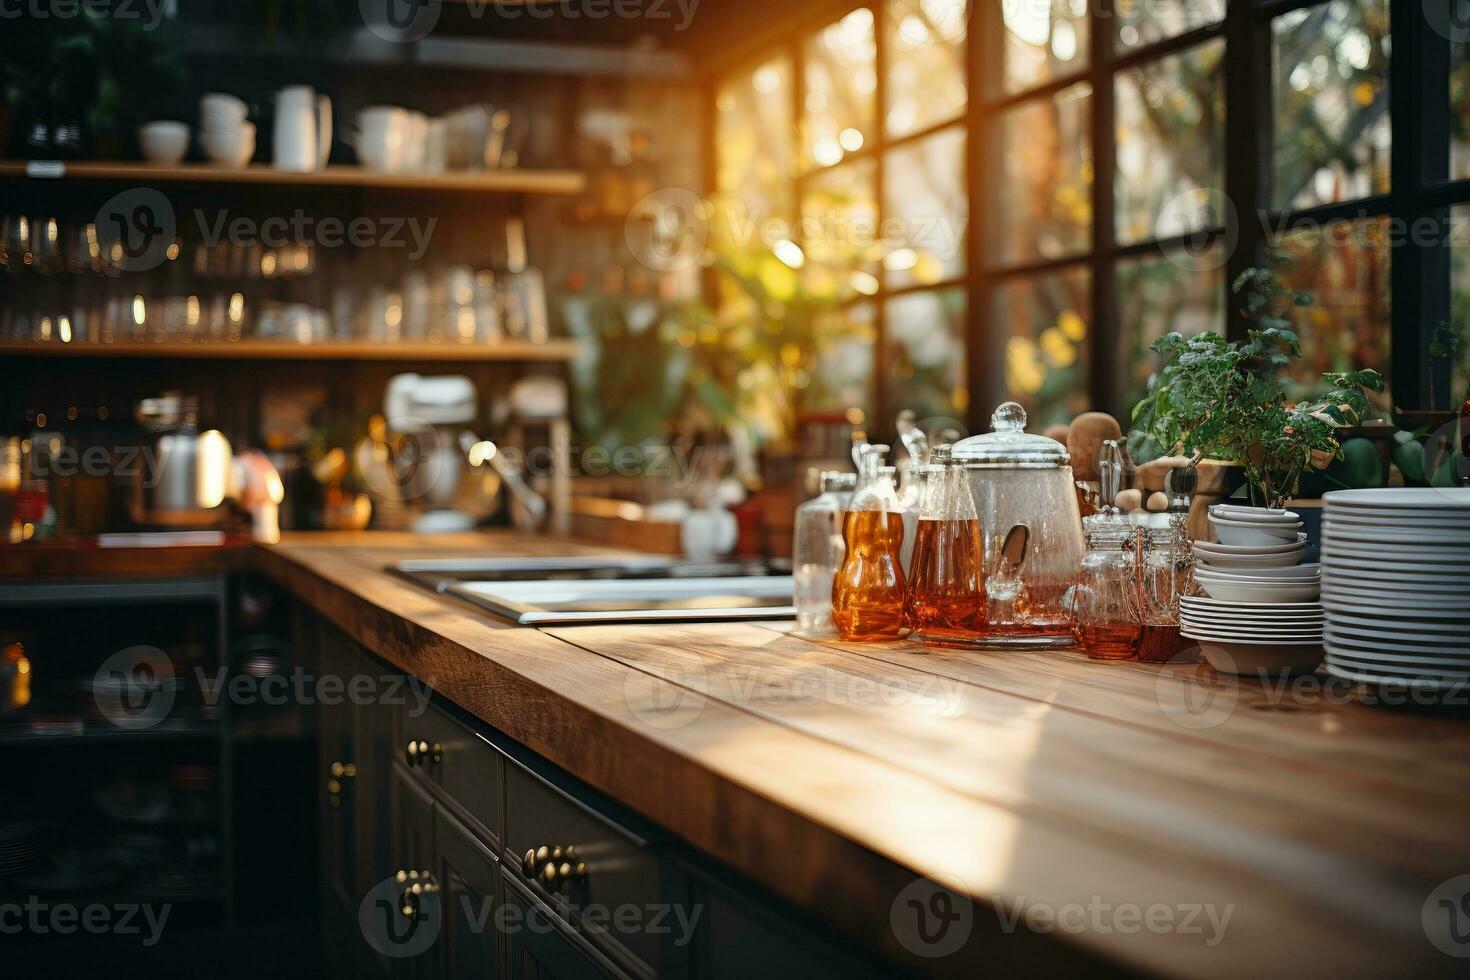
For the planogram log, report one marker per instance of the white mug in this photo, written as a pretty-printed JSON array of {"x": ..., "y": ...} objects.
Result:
[
  {"x": 382, "y": 133},
  {"x": 303, "y": 133}
]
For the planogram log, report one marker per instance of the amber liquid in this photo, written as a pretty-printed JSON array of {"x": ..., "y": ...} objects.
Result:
[
  {"x": 1161, "y": 643},
  {"x": 1109, "y": 641},
  {"x": 946, "y": 597},
  {"x": 868, "y": 593}
]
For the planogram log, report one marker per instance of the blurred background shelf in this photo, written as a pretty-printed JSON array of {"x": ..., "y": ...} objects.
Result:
[
  {"x": 555, "y": 351},
  {"x": 507, "y": 181}
]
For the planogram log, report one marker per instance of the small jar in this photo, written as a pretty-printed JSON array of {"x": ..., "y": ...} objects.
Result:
[
  {"x": 1164, "y": 564},
  {"x": 1105, "y": 600}
]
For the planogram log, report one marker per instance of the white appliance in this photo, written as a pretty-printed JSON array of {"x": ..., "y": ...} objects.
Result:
[{"x": 429, "y": 415}]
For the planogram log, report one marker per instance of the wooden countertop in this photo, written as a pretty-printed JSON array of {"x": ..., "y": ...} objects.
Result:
[{"x": 835, "y": 773}]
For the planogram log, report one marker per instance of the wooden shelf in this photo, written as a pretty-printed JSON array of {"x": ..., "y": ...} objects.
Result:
[
  {"x": 553, "y": 182},
  {"x": 264, "y": 350}
]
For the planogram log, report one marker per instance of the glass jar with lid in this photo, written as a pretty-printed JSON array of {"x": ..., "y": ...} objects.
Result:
[
  {"x": 1163, "y": 576},
  {"x": 1105, "y": 600},
  {"x": 1023, "y": 490}
]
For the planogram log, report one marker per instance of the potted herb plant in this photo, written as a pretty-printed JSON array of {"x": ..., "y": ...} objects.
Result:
[{"x": 1215, "y": 399}]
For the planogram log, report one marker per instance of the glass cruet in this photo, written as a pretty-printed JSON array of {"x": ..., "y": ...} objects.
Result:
[
  {"x": 946, "y": 597},
  {"x": 868, "y": 593},
  {"x": 1105, "y": 599},
  {"x": 818, "y": 550}
]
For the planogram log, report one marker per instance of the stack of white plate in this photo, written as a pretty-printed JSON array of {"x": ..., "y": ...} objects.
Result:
[
  {"x": 1396, "y": 585},
  {"x": 1247, "y": 637},
  {"x": 1260, "y": 610}
]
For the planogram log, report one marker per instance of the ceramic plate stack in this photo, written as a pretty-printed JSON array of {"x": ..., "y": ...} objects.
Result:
[
  {"x": 1260, "y": 611},
  {"x": 1396, "y": 585},
  {"x": 17, "y": 846}
]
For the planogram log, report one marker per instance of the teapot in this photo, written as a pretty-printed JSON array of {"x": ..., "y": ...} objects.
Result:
[{"x": 1023, "y": 489}]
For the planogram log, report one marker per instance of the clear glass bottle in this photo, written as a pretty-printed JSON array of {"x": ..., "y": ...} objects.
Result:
[
  {"x": 868, "y": 593},
  {"x": 818, "y": 552},
  {"x": 946, "y": 596},
  {"x": 1106, "y": 598},
  {"x": 1163, "y": 575}
]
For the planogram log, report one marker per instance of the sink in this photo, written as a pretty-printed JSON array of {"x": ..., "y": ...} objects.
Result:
[{"x": 643, "y": 588}]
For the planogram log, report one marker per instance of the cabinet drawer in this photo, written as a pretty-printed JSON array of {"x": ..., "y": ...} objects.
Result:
[
  {"x": 466, "y": 769},
  {"x": 619, "y": 893},
  {"x": 538, "y": 946}
]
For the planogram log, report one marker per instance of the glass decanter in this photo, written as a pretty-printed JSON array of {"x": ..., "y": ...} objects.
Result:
[
  {"x": 868, "y": 593},
  {"x": 946, "y": 596}
]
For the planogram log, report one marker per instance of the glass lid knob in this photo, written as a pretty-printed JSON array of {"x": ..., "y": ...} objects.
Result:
[{"x": 1009, "y": 417}]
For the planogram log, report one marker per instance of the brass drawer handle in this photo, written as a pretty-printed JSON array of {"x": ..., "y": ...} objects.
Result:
[
  {"x": 419, "y": 752},
  {"x": 338, "y": 775},
  {"x": 555, "y": 868},
  {"x": 416, "y": 884}
]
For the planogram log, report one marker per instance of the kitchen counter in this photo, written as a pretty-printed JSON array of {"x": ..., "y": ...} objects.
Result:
[{"x": 1033, "y": 782}]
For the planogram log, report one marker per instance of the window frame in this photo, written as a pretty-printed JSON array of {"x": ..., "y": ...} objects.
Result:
[{"x": 1420, "y": 287}]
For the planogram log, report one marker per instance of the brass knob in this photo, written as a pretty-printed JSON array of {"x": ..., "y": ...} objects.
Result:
[
  {"x": 553, "y": 867},
  {"x": 436, "y": 752},
  {"x": 411, "y": 752}
]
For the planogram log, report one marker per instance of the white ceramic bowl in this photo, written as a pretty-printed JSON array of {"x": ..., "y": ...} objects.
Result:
[
  {"x": 1249, "y": 550},
  {"x": 1258, "y": 657},
  {"x": 1273, "y": 592},
  {"x": 1206, "y": 602},
  {"x": 1254, "y": 514},
  {"x": 163, "y": 142},
  {"x": 1284, "y": 560},
  {"x": 1242, "y": 533},
  {"x": 1285, "y": 573},
  {"x": 229, "y": 149},
  {"x": 1274, "y": 572}
]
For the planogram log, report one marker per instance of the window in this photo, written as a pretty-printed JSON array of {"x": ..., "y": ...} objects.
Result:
[
  {"x": 1123, "y": 163},
  {"x": 879, "y": 183}
]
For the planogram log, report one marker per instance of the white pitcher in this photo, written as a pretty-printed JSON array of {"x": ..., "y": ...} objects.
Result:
[{"x": 303, "y": 134}]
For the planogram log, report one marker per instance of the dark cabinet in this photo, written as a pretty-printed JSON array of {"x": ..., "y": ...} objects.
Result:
[
  {"x": 450, "y": 852},
  {"x": 538, "y": 947},
  {"x": 468, "y": 887}
]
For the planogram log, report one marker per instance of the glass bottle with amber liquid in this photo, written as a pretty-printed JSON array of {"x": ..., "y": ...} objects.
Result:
[
  {"x": 946, "y": 597},
  {"x": 868, "y": 592}
]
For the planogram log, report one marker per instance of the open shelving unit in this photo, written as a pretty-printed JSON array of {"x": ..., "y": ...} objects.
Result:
[
  {"x": 507, "y": 181},
  {"x": 509, "y": 351}
]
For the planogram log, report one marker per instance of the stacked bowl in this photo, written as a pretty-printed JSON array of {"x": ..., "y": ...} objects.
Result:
[
  {"x": 1396, "y": 586},
  {"x": 1260, "y": 610}
]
